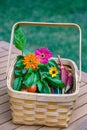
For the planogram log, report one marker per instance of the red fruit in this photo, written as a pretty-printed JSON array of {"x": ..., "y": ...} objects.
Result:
[{"x": 32, "y": 89}]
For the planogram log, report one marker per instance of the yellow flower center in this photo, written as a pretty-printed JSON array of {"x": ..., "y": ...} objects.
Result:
[
  {"x": 53, "y": 71},
  {"x": 30, "y": 61}
]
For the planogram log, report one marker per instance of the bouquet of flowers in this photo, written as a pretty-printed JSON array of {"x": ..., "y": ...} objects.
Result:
[{"x": 38, "y": 71}]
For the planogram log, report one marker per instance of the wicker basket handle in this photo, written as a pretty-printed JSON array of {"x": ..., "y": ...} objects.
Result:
[{"x": 46, "y": 24}]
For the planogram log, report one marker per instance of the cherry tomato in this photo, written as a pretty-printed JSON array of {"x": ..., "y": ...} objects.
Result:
[{"x": 32, "y": 89}]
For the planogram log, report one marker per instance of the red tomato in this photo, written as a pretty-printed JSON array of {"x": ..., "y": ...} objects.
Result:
[{"x": 32, "y": 89}]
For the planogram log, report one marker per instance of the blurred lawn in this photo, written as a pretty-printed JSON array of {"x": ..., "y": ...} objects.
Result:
[{"x": 59, "y": 41}]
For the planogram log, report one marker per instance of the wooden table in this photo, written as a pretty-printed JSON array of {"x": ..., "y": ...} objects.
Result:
[{"x": 79, "y": 117}]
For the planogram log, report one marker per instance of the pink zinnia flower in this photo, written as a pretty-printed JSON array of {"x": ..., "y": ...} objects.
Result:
[{"x": 44, "y": 54}]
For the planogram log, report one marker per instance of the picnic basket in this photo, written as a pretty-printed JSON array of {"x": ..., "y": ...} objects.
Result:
[{"x": 43, "y": 109}]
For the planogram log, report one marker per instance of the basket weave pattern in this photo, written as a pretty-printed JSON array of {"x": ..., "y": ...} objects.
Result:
[
  {"x": 42, "y": 109},
  {"x": 37, "y": 112}
]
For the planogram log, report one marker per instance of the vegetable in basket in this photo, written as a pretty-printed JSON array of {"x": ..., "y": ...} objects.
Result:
[
  {"x": 69, "y": 82},
  {"x": 63, "y": 72}
]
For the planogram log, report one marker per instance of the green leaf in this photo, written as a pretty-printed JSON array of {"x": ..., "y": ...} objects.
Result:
[
  {"x": 55, "y": 82},
  {"x": 19, "y": 63},
  {"x": 18, "y": 72},
  {"x": 29, "y": 79},
  {"x": 46, "y": 88},
  {"x": 19, "y": 57},
  {"x": 19, "y": 38},
  {"x": 43, "y": 87},
  {"x": 26, "y": 51},
  {"x": 40, "y": 86},
  {"x": 30, "y": 70},
  {"x": 17, "y": 84},
  {"x": 24, "y": 71},
  {"x": 53, "y": 63},
  {"x": 43, "y": 75},
  {"x": 36, "y": 78},
  {"x": 42, "y": 65}
]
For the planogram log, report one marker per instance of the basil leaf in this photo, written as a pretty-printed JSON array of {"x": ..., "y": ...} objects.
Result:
[
  {"x": 36, "y": 78},
  {"x": 52, "y": 63},
  {"x": 24, "y": 71},
  {"x": 30, "y": 71},
  {"x": 17, "y": 84},
  {"x": 42, "y": 74},
  {"x": 18, "y": 72},
  {"x": 39, "y": 85},
  {"x": 46, "y": 88},
  {"x": 19, "y": 38},
  {"x": 19, "y": 63},
  {"x": 55, "y": 82},
  {"x": 42, "y": 65},
  {"x": 19, "y": 57},
  {"x": 29, "y": 79}
]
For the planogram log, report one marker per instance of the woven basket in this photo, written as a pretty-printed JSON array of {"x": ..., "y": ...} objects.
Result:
[{"x": 42, "y": 109}]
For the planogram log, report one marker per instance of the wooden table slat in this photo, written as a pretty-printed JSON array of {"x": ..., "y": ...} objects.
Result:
[
  {"x": 4, "y": 98},
  {"x": 3, "y": 91},
  {"x": 49, "y": 128},
  {"x": 78, "y": 113},
  {"x": 8, "y": 126},
  {"x": 3, "y": 83},
  {"x": 80, "y": 124},
  {"x": 1, "y": 50},
  {"x": 84, "y": 77},
  {"x": 83, "y": 90},
  {"x": 5, "y": 117},
  {"x": 4, "y": 107},
  {"x": 3, "y": 64},
  {"x": 3, "y": 76},
  {"x": 82, "y": 100},
  {"x": 35, "y": 127},
  {"x": 2, "y": 70},
  {"x": 5, "y": 58},
  {"x": 4, "y": 53},
  {"x": 81, "y": 84}
]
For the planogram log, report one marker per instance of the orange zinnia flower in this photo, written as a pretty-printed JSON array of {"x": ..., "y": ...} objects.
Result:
[{"x": 31, "y": 61}]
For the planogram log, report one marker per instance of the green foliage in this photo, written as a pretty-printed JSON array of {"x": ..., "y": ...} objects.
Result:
[
  {"x": 46, "y": 88},
  {"x": 30, "y": 79},
  {"x": 19, "y": 62},
  {"x": 40, "y": 85},
  {"x": 24, "y": 71},
  {"x": 55, "y": 82},
  {"x": 43, "y": 87},
  {"x": 17, "y": 84},
  {"x": 19, "y": 38},
  {"x": 17, "y": 72},
  {"x": 53, "y": 63}
]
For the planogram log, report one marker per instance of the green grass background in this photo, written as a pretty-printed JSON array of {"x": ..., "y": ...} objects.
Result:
[{"x": 58, "y": 40}]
